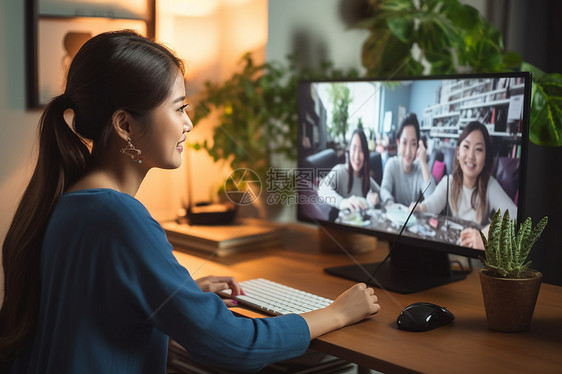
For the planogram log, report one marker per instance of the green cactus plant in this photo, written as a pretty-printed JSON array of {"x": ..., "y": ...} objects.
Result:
[{"x": 505, "y": 250}]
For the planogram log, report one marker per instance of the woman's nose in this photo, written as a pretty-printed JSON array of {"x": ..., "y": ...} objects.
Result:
[
  {"x": 409, "y": 151},
  {"x": 188, "y": 126}
]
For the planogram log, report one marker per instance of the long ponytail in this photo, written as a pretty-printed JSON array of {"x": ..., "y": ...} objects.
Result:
[{"x": 62, "y": 159}]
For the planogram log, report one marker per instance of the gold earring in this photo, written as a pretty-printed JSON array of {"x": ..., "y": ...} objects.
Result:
[{"x": 132, "y": 152}]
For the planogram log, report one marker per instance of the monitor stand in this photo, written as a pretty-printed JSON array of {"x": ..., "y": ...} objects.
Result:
[{"x": 410, "y": 269}]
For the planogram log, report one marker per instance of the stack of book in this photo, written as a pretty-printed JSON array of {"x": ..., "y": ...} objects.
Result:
[{"x": 242, "y": 235}]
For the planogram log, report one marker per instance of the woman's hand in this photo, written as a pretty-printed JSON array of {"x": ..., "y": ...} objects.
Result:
[
  {"x": 420, "y": 208},
  {"x": 421, "y": 154},
  {"x": 353, "y": 203},
  {"x": 471, "y": 238},
  {"x": 354, "y": 305},
  {"x": 373, "y": 198},
  {"x": 212, "y": 283}
]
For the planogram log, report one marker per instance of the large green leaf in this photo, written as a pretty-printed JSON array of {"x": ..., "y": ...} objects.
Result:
[
  {"x": 512, "y": 60},
  {"x": 435, "y": 33},
  {"x": 402, "y": 28},
  {"x": 546, "y": 107},
  {"x": 441, "y": 62},
  {"x": 397, "y": 5},
  {"x": 383, "y": 53},
  {"x": 486, "y": 57},
  {"x": 461, "y": 15}
]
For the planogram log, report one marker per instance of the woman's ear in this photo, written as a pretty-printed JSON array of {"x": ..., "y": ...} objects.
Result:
[{"x": 121, "y": 123}]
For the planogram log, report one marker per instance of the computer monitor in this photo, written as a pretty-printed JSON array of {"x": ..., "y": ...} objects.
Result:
[{"x": 331, "y": 153}]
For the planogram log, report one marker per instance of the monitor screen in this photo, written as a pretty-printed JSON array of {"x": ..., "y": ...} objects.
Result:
[{"x": 450, "y": 148}]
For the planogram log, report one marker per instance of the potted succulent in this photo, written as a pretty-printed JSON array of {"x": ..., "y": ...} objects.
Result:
[{"x": 509, "y": 286}]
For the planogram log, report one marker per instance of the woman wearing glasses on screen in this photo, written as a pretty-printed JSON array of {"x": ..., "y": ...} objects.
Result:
[
  {"x": 473, "y": 193},
  {"x": 407, "y": 175},
  {"x": 91, "y": 283},
  {"x": 349, "y": 187}
]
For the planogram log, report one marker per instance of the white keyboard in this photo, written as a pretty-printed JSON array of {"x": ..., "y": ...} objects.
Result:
[{"x": 275, "y": 298}]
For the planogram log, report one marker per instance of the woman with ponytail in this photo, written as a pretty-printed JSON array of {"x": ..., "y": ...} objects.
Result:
[{"x": 90, "y": 280}]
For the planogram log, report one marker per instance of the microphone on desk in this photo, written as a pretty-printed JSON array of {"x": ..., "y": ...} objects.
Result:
[{"x": 372, "y": 276}]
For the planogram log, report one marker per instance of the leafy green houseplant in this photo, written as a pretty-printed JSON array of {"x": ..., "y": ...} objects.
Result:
[
  {"x": 408, "y": 37},
  {"x": 340, "y": 113},
  {"x": 509, "y": 286},
  {"x": 255, "y": 112},
  {"x": 546, "y": 107}
]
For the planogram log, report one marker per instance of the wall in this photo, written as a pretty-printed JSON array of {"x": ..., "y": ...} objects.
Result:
[
  {"x": 210, "y": 36},
  {"x": 17, "y": 139},
  {"x": 531, "y": 28},
  {"x": 316, "y": 29},
  {"x": 419, "y": 101}
]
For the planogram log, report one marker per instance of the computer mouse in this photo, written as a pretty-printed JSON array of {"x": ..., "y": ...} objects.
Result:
[{"x": 423, "y": 317}]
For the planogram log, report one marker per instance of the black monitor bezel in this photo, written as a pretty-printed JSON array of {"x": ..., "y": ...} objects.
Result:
[{"x": 408, "y": 240}]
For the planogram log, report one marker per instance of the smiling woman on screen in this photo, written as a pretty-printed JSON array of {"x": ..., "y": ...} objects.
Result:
[{"x": 473, "y": 193}]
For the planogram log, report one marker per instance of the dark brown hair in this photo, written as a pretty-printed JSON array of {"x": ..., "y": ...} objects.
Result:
[
  {"x": 112, "y": 71},
  {"x": 365, "y": 176},
  {"x": 478, "y": 198},
  {"x": 410, "y": 120}
]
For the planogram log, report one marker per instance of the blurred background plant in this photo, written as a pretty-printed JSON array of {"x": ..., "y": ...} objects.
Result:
[
  {"x": 255, "y": 112},
  {"x": 341, "y": 98},
  {"x": 408, "y": 38}
]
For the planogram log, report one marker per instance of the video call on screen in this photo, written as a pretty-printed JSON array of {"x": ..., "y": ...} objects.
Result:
[{"x": 329, "y": 112}]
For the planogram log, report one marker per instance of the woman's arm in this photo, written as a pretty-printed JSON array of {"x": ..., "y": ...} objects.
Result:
[
  {"x": 327, "y": 187},
  {"x": 437, "y": 200},
  {"x": 215, "y": 284},
  {"x": 470, "y": 237},
  {"x": 373, "y": 196},
  {"x": 425, "y": 182},
  {"x": 388, "y": 181},
  {"x": 354, "y": 305},
  {"x": 148, "y": 288},
  {"x": 422, "y": 156},
  {"x": 331, "y": 187}
]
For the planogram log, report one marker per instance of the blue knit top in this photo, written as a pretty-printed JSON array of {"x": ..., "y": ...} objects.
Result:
[{"x": 112, "y": 292}]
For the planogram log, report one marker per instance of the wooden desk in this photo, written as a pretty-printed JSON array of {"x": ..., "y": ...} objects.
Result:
[{"x": 466, "y": 346}]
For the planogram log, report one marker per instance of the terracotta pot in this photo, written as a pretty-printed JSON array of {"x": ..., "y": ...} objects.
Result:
[{"x": 510, "y": 303}]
